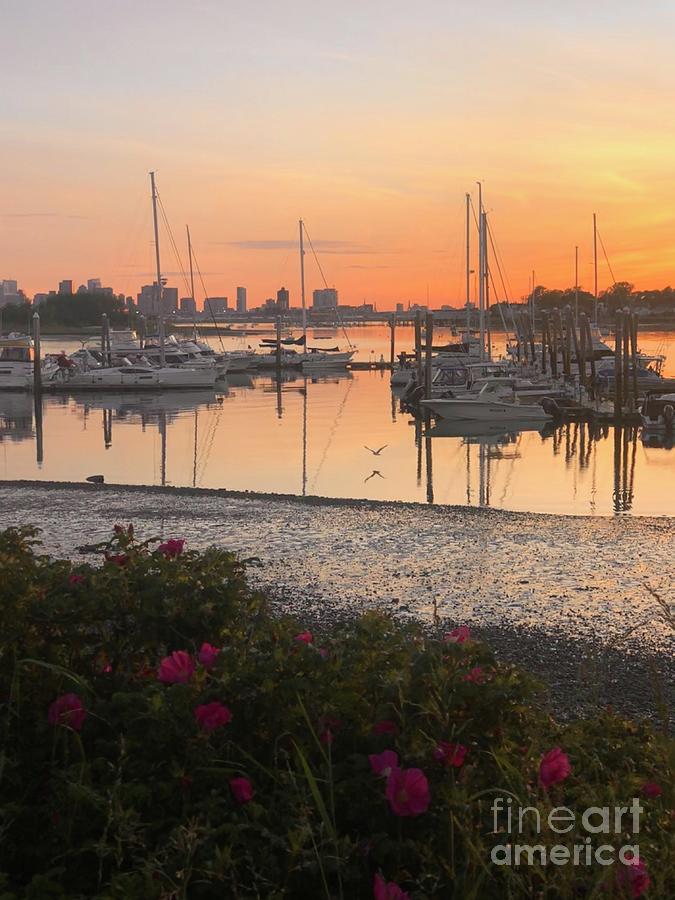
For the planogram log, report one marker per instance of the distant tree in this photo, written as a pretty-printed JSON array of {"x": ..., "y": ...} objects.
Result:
[{"x": 69, "y": 311}]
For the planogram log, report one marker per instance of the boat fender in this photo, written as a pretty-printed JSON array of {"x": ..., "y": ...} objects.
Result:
[{"x": 669, "y": 414}]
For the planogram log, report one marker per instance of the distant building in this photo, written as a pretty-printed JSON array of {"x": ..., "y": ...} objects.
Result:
[
  {"x": 188, "y": 307},
  {"x": 326, "y": 298},
  {"x": 148, "y": 300},
  {"x": 399, "y": 308},
  {"x": 82, "y": 289},
  {"x": 241, "y": 299},
  {"x": 66, "y": 286},
  {"x": 39, "y": 298},
  {"x": 93, "y": 285},
  {"x": 282, "y": 299},
  {"x": 215, "y": 306},
  {"x": 9, "y": 286},
  {"x": 270, "y": 304}
]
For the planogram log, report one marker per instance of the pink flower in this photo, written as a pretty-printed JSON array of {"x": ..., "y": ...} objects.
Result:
[
  {"x": 383, "y": 890},
  {"x": 75, "y": 579},
  {"x": 177, "y": 668},
  {"x": 117, "y": 559},
  {"x": 172, "y": 548},
  {"x": 554, "y": 767},
  {"x": 458, "y": 635},
  {"x": 242, "y": 790},
  {"x": 68, "y": 710},
  {"x": 212, "y": 715},
  {"x": 323, "y": 652},
  {"x": 383, "y": 763},
  {"x": 407, "y": 792},
  {"x": 305, "y": 637},
  {"x": 633, "y": 877},
  {"x": 450, "y": 754},
  {"x": 207, "y": 655},
  {"x": 476, "y": 675},
  {"x": 386, "y": 726},
  {"x": 652, "y": 789}
]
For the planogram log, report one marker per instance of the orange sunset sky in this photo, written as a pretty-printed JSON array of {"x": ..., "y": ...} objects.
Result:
[{"x": 369, "y": 119}]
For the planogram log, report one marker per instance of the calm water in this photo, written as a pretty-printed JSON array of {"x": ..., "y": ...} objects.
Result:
[{"x": 309, "y": 436}]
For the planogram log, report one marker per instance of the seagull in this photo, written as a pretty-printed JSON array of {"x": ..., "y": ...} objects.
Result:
[
  {"x": 374, "y": 473},
  {"x": 376, "y": 452}
]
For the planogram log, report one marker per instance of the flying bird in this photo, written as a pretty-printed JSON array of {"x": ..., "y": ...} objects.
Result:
[
  {"x": 376, "y": 452},
  {"x": 374, "y": 473}
]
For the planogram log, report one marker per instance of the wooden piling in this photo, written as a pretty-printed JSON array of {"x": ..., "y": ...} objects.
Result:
[
  {"x": 392, "y": 339},
  {"x": 544, "y": 340},
  {"x": 278, "y": 347},
  {"x": 553, "y": 346},
  {"x": 418, "y": 345},
  {"x": 625, "y": 361},
  {"x": 429, "y": 330},
  {"x": 586, "y": 325},
  {"x": 572, "y": 337},
  {"x": 634, "y": 355},
  {"x": 37, "y": 357},
  {"x": 618, "y": 368}
]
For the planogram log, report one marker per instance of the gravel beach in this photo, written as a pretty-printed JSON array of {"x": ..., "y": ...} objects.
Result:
[{"x": 557, "y": 594}]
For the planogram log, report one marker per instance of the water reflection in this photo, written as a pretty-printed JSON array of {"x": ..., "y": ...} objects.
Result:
[
  {"x": 307, "y": 434},
  {"x": 576, "y": 442}
]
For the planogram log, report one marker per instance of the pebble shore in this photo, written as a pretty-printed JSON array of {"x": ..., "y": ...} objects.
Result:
[{"x": 566, "y": 597}]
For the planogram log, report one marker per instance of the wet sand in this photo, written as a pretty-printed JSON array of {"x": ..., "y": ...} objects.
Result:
[{"x": 557, "y": 594}]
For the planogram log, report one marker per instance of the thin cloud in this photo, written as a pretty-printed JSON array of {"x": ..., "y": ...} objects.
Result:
[
  {"x": 41, "y": 215},
  {"x": 342, "y": 247}
]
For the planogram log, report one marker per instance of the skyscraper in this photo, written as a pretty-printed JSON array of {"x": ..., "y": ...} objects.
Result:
[
  {"x": 327, "y": 298},
  {"x": 66, "y": 286},
  {"x": 282, "y": 298},
  {"x": 241, "y": 299}
]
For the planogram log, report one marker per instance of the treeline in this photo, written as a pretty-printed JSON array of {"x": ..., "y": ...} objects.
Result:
[
  {"x": 616, "y": 297},
  {"x": 69, "y": 310}
]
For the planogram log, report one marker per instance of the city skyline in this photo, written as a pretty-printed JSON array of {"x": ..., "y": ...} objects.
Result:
[{"x": 370, "y": 123}]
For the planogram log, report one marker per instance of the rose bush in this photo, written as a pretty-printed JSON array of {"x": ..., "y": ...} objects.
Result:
[{"x": 165, "y": 736}]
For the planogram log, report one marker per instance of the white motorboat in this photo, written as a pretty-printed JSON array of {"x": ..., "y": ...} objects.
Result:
[
  {"x": 326, "y": 359},
  {"x": 658, "y": 413},
  {"x": 491, "y": 404},
  {"x": 16, "y": 362},
  {"x": 87, "y": 370}
]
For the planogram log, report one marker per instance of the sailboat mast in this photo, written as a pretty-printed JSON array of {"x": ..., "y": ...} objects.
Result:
[
  {"x": 595, "y": 269},
  {"x": 488, "y": 330},
  {"x": 160, "y": 310},
  {"x": 576, "y": 286},
  {"x": 192, "y": 277},
  {"x": 468, "y": 265},
  {"x": 481, "y": 272},
  {"x": 302, "y": 284}
]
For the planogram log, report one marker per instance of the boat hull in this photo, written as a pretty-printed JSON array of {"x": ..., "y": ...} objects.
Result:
[{"x": 486, "y": 411}]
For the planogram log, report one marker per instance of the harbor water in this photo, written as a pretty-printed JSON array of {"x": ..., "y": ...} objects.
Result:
[{"x": 309, "y": 435}]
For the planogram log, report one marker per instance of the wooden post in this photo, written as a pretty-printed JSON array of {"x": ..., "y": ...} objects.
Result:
[
  {"x": 554, "y": 346},
  {"x": 278, "y": 349},
  {"x": 634, "y": 354},
  {"x": 37, "y": 388},
  {"x": 392, "y": 342},
  {"x": 572, "y": 336},
  {"x": 544, "y": 334},
  {"x": 568, "y": 345},
  {"x": 625, "y": 360},
  {"x": 618, "y": 370},
  {"x": 589, "y": 350},
  {"x": 429, "y": 328},
  {"x": 418, "y": 345},
  {"x": 37, "y": 357},
  {"x": 582, "y": 352},
  {"x": 105, "y": 340}
]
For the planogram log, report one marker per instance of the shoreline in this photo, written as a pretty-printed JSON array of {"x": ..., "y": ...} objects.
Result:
[
  {"x": 320, "y": 500},
  {"x": 566, "y": 597}
]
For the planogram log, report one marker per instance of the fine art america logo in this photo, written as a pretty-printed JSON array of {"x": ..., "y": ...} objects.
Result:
[{"x": 517, "y": 824}]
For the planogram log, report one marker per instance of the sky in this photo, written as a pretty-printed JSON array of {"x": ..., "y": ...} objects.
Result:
[{"x": 370, "y": 120}]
